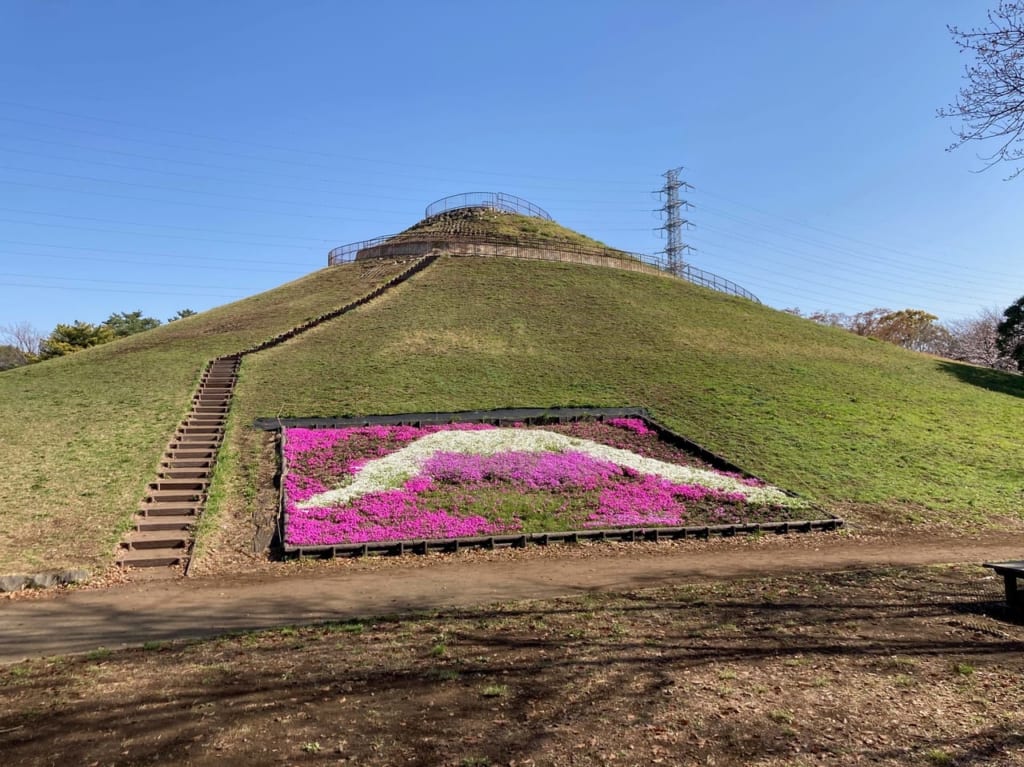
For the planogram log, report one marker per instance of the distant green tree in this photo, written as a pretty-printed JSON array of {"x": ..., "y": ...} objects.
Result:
[
  {"x": 67, "y": 339},
  {"x": 129, "y": 323},
  {"x": 182, "y": 313},
  {"x": 11, "y": 357},
  {"x": 1010, "y": 333}
]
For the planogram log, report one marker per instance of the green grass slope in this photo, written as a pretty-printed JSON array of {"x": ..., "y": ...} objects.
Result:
[
  {"x": 840, "y": 419},
  {"x": 80, "y": 436},
  {"x": 503, "y": 225}
]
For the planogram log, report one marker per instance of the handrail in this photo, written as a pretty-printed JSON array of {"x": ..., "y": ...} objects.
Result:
[
  {"x": 494, "y": 200},
  {"x": 344, "y": 254}
]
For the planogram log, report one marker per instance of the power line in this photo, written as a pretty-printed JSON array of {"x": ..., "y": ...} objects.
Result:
[
  {"x": 66, "y": 288},
  {"x": 235, "y": 141},
  {"x": 159, "y": 226},
  {"x": 947, "y": 290},
  {"x": 876, "y": 293},
  {"x": 165, "y": 188},
  {"x": 188, "y": 203},
  {"x": 86, "y": 249},
  {"x": 196, "y": 176},
  {"x": 91, "y": 280},
  {"x": 856, "y": 268},
  {"x": 157, "y": 234},
  {"x": 829, "y": 232},
  {"x": 176, "y": 261}
]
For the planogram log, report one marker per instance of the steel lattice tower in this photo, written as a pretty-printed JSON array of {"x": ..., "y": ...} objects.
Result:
[{"x": 675, "y": 248}]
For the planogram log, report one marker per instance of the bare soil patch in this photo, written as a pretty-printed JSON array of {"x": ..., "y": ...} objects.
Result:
[{"x": 891, "y": 666}]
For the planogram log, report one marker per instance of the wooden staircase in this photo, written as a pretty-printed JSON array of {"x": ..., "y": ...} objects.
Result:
[
  {"x": 165, "y": 521},
  {"x": 164, "y": 527}
]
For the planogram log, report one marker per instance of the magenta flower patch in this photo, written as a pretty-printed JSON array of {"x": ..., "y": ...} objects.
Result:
[{"x": 390, "y": 483}]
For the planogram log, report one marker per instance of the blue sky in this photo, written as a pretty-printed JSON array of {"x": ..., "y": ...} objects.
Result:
[{"x": 160, "y": 156}]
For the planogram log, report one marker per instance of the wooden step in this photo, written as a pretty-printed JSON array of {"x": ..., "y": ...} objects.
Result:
[
  {"x": 189, "y": 450},
  {"x": 197, "y": 436},
  {"x": 193, "y": 446},
  {"x": 170, "y": 464},
  {"x": 189, "y": 455},
  {"x": 200, "y": 429},
  {"x": 188, "y": 472},
  {"x": 169, "y": 509},
  {"x": 152, "y": 557},
  {"x": 175, "y": 496},
  {"x": 157, "y": 539},
  {"x": 196, "y": 441},
  {"x": 166, "y": 522},
  {"x": 179, "y": 485}
]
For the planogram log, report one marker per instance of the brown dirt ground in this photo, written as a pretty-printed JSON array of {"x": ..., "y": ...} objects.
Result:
[
  {"x": 888, "y": 666},
  {"x": 262, "y": 595}
]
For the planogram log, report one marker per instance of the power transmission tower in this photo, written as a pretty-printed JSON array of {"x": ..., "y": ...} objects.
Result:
[{"x": 675, "y": 248}]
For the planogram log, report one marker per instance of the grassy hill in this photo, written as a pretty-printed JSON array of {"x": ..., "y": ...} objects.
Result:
[
  {"x": 838, "y": 418},
  {"x": 833, "y": 416},
  {"x": 80, "y": 436}
]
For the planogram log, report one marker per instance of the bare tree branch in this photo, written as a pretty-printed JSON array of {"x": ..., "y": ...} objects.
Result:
[
  {"x": 990, "y": 105},
  {"x": 23, "y": 337},
  {"x": 976, "y": 340}
]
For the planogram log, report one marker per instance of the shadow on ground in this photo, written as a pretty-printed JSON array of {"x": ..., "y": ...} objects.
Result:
[
  {"x": 883, "y": 666},
  {"x": 985, "y": 378}
]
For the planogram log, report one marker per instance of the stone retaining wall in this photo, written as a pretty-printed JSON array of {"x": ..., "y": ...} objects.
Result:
[{"x": 407, "y": 249}]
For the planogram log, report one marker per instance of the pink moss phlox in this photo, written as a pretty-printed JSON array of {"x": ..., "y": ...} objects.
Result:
[
  {"x": 299, "y": 487},
  {"x": 419, "y": 484},
  {"x": 299, "y": 442},
  {"x": 318, "y": 458},
  {"x": 303, "y": 440},
  {"x": 526, "y": 470},
  {"x": 635, "y": 425},
  {"x": 743, "y": 479},
  {"x": 653, "y": 500},
  {"x": 385, "y": 516},
  {"x": 724, "y": 516}
]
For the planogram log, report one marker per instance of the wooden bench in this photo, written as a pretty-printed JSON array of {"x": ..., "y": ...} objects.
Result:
[{"x": 1011, "y": 571}]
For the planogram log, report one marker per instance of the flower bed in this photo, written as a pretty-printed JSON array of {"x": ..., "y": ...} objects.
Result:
[{"x": 391, "y": 483}]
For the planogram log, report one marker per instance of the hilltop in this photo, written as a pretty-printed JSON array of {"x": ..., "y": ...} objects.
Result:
[{"x": 488, "y": 222}]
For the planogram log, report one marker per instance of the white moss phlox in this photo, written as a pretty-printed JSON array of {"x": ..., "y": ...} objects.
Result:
[{"x": 394, "y": 470}]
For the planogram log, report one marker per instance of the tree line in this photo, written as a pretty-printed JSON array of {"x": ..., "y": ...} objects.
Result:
[
  {"x": 989, "y": 339},
  {"x": 22, "y": 344}
]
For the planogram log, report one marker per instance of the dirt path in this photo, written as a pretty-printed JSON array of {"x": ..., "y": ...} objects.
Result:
[{"x": 79, "y": 621}]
